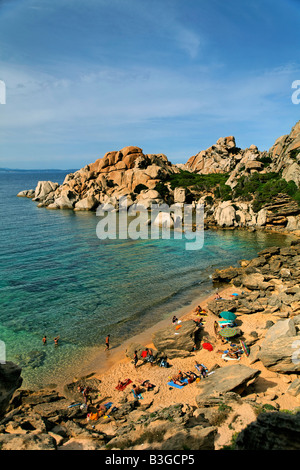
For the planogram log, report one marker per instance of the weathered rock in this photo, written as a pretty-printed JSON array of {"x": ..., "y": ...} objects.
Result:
[
  {"x": 218, "y": 306},
  {"x": 196, "y": 438},
  {"x": 225, "y": 214},
  {"x": 182, "y": 339},
  {"x": 66, "y": 200},
  {"x": 179, "y": 195},
  {"x": 43, "y": 189},
  {"x": 10, "y": 381},
  {"x": 294, "y": 388},
  {"x": 27, "y": 442},
  {"x": 30, "y": 193},
  {"x": 253, "y": 281},
  {"x": 225, "y": 275},
  {"x": 87, "y": 204},
  {"x": 271, "y": 431},
  {"x": 233, "y": 378},
  {"x": 280, "y": 347}
]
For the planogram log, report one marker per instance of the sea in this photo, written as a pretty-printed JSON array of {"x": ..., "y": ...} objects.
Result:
[{"x": 59, "y": 279}]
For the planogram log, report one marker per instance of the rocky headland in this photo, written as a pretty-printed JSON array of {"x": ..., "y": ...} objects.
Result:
[
  {"x": 240, "y": 188},
  {"x": 246, "y": 403}
]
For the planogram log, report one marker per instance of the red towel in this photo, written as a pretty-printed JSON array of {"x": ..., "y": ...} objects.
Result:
[{"x": 123, "y": 385}]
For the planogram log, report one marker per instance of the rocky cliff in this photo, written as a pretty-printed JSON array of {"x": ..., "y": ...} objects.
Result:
[
  {"x": 10, "y": 381},
  {"x": 127, "y": 172},
  {"x": 239, "y": 188}
]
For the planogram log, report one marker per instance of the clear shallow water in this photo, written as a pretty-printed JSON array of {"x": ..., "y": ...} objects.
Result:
[{"x": 58, "y": 278}]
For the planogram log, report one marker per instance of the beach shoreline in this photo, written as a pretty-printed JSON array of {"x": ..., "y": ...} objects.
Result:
[
  {"x": 98, "y": 362},
  {"x": 120, "y": 367}
]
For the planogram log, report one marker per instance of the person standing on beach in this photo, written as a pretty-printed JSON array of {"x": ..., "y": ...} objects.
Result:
[
  {"x": 135, "y": 359},
  {"x": 107, "y": 342},
  {"x": 150, "y": 357}
]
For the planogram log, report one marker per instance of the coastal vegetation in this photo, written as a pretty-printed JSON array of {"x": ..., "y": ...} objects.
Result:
[{"x": 263, "y": 187}]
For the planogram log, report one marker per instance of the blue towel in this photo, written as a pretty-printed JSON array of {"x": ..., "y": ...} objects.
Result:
[
  {"x": 108, "y": 405},
  {"x": 137, "y": 396},
  {"x": 172, "y": 384}
]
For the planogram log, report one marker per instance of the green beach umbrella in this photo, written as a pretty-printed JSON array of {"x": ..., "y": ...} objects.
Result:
[
  {"x": 228, "y": 332},
  {"x": 228, "y": 315}
]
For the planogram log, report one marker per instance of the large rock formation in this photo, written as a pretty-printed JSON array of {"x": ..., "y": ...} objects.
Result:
[
  {"x": 285, "y": 155},
  {"x": 226, "y": 157},
  {"x": 10, "y": 381},
  {"x": 233, "y": 378},
  {"x": 147, "y": 179},
  {"x": 280, "y": 349},
  {"x": 271, "y": 431},
  {"x": 127, "y": 172},
  {"x": 179, "y": 340}
]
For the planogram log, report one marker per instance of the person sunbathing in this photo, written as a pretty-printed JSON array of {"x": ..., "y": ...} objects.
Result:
[
  {"x": 178, "y": 379},
  {"x": 137, "y": 390},
  {"x": 191, "y": 376},
  {"x": 232, "y": 354},
  {"x": 201, "y": 369},
  {"x": 148, "y": 385}
]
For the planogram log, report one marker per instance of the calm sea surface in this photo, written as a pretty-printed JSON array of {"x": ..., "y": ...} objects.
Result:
[{"x": 58, "y": 278}]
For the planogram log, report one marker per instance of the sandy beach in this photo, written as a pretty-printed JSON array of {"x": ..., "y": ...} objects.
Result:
[{"x": 270, "y": 387}]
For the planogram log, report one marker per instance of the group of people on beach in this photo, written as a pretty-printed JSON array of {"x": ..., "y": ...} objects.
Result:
[{"x": 146, "y": 355}]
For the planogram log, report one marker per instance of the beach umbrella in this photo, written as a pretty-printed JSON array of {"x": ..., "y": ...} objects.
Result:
[
  {"x": 207, "y": 346},
  {"x": 228, "y": 315},
  {"x": 245, "y": 348},
  {"x": 228, "y": 332}
]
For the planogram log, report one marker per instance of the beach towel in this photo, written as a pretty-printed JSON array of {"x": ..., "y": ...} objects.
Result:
[
  {"x": 108, "y": 405},
  {"x": 226, "y": 358},
  {"x": 178, "y": 326},
  {"x": 123, "y": 385},
  {"x": 172, "y": 384},
  {"x": 225, "y": 322}
]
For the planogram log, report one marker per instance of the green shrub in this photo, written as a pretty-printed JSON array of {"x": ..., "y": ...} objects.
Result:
[
  {"x": 139, "y": 188},
  {"x": 262, "y": 188},
  {"x": 162, "y": 189},
  {"x": 265, "y": 160},
  {"x": 294, "y": 154},
  {"x": 185, "y": 179}
]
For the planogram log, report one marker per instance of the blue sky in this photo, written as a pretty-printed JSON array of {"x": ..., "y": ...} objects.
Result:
[{"x": 87, "y": 77}]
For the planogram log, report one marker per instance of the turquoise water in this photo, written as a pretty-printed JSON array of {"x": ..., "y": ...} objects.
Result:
[{"x": 58, "y": 278}]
